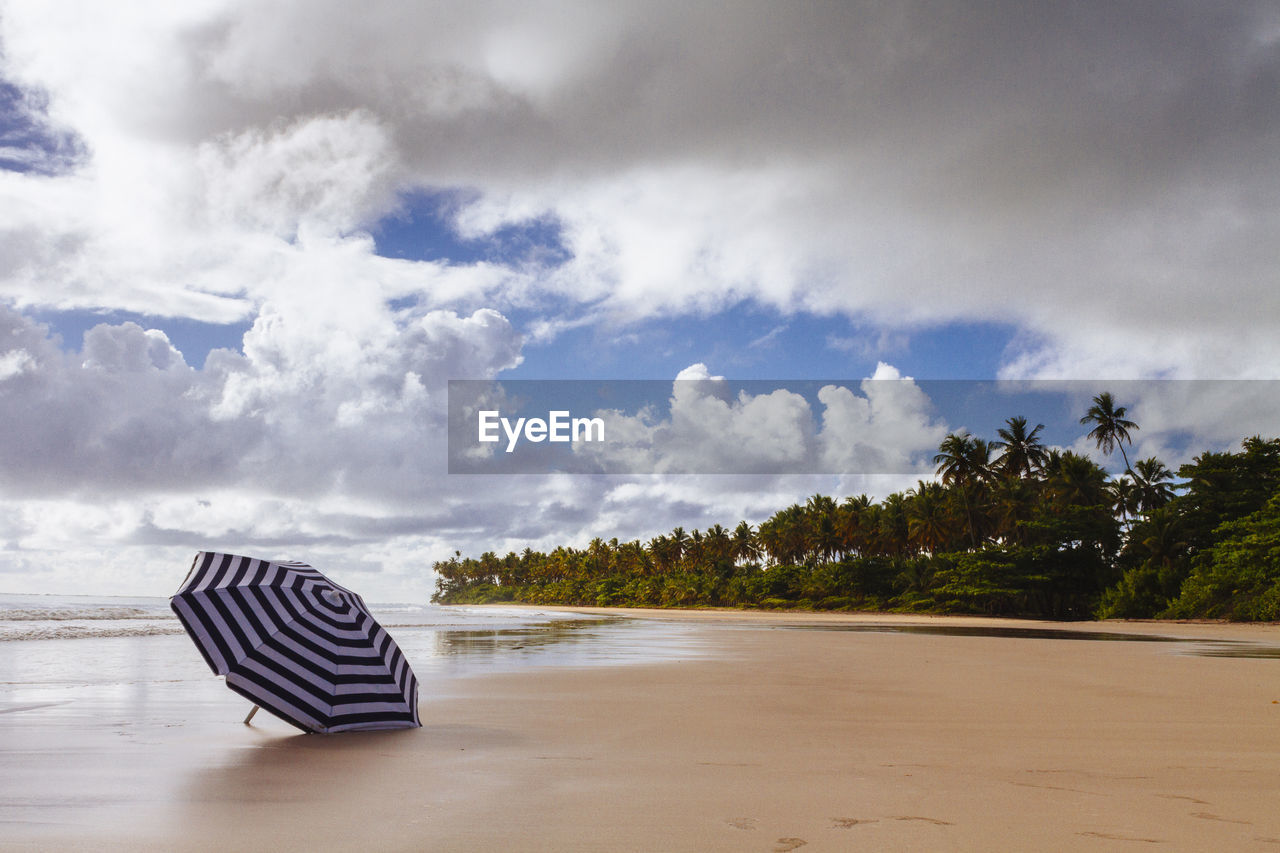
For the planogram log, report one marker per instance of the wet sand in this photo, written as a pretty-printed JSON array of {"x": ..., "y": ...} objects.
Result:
[{"x": 778, "y": 734}]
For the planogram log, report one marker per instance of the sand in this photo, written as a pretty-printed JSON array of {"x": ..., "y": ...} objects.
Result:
[{"x": 780, "y": 732}]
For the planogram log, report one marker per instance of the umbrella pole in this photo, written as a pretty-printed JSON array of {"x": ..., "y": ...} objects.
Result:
[{"x": 251, "y": 713}]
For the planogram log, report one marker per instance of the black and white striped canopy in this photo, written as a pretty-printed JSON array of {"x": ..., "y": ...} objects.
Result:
[{"x": 291, "y": 640}]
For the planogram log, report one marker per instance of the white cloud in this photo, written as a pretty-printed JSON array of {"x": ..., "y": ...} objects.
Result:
[
  {"x": 304, "y": 437},
  {"x": 327, "y": 174},
  {"x": 890, "y": 428},
  {"x": 1103, "y": 182},
  {"x": 900, "y": 166}
]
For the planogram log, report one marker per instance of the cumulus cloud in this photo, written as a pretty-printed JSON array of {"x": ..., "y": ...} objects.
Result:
[
  {"x": 891, "y": 428},
  {"x": 1100, "y": 178},
  {"x": 705, "y": 426},
  {"x": 298, "y": 413},
  {"x": 329, "y": 443},
  {"x": 898, "y": 163}
]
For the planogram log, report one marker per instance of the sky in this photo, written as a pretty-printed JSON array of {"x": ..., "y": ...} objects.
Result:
[{"x": 244, "y": 247}]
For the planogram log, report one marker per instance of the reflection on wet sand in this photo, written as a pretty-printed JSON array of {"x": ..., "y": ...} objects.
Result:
[
  {"x": 595, "y": 641},
  {"x": 500, "y": 641}
]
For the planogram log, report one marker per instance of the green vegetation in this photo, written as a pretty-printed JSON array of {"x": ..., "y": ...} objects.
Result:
[{"x": 1008, "y": 527}]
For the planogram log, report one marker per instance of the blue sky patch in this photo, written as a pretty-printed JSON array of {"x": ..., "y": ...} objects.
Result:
[
  {"x": 750, "y": 342},
  {"x": 26, "y": 143},
  {"x": 423, "y": 231},
  {"x": 192, "y": 338}
]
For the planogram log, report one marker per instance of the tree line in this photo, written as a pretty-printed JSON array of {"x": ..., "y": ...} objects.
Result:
[{"x": 1007, "y": 527}]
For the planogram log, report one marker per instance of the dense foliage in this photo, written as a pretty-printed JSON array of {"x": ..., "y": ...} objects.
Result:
[{"x": 1008, "y": 527}]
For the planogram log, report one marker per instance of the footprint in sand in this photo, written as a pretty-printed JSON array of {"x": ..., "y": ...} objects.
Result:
[
  {"x": 742, "y": 822},
  {"x": 1111, "y": 836},
  {"x": 1208, "y": 816},
  {"x": 785, "y": 845},
  {"x": 850, "y": 822},
  {"x": 1195, "y": 800},
  {"x": 933, "y": 820}
]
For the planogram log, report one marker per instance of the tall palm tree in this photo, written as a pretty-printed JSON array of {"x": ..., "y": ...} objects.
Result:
[
  {"x": 1022, "y": 453},
  {"x": 1111, "y": 429}
]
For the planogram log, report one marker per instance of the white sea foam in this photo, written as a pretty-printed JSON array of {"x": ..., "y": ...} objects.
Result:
[
  {"x": 80, "y": 629},
  {"x": 68, "y": 617},
  {"x": 71, "y": 617},
  {"x": 58, "y": 614}
]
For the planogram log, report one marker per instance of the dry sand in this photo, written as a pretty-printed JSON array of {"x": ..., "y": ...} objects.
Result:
[{"x": 779, "y": 737}]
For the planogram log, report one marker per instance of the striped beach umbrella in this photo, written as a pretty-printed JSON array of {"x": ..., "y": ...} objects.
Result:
[{"x": 294, "y": 642}]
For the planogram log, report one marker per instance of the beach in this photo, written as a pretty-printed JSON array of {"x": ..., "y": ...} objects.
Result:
[{"x": 750, "y": 731}]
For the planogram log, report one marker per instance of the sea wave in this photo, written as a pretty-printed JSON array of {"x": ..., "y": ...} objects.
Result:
[
  {"x": 82, "y": 629},
  {"x": 79, "y": 614},
  {"x": 69, "y": 617}
]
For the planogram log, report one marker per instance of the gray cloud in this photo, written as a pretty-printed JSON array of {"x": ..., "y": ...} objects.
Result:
[
  {"x": 128, "y": 414},
  {"x": 905, "y": 163},
  {"x": 1100, "y": 176}
]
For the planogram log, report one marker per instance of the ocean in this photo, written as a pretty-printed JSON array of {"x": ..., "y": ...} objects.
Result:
[{"x": 57, "y": 650}]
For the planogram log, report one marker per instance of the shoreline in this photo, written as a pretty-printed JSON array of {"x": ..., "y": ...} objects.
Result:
[
  {"x": 1191, "y": 628},
  {"x": 761, "y": 739}
]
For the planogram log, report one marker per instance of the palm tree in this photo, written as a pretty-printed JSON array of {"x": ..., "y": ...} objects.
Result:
[
  {"x": 782, "y": 535},
  {"x": 1153, "y": 482},
  {"x": 1124, "y": 497},
  {"x": 928, "y": 522},
  {"x": 820, "y": 504},
  {"x": 1111, "y": 430},
  {"x": 1162, "y": 541},
  {"x": 1077, "y": 481},
  {"x": 632, "y": 558},
  {"x": 660, "y": 551},
  {"x": 965, "y": 462},
  {"x": 892, "y": 535},
  {"x": 719, "y": 546},
  {"x": 851, "y": 521},
  {"x": 695, "y": 551},
  {"x": 746, "y": 547},
  {"x": 1023, "y": 454},
  {"x": 916, "y": 576},
  {"x": 678, "y": 541},
  {"x": 962, "y": 459},
  {"x": 1013, "y": 504},
  {"x": 822, "y": 537},
  {"x": 598, "y": 552}
]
